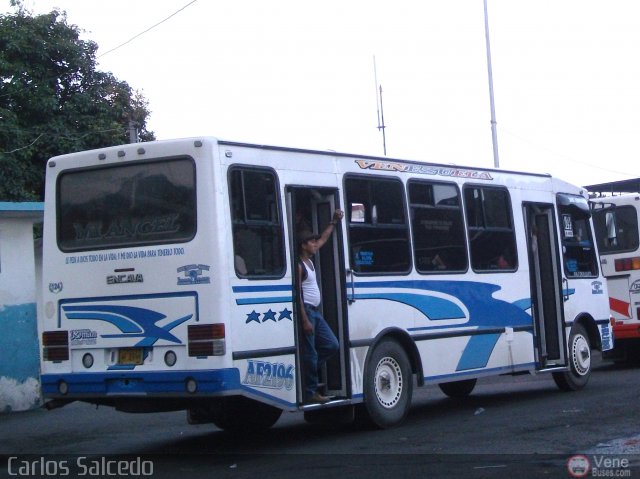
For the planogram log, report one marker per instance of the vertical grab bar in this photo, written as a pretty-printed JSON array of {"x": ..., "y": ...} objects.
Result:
[{"x": 565, "y": 292}]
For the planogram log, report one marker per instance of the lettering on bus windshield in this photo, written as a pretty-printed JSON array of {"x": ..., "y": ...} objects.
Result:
[{"x": 127, "y": 228}]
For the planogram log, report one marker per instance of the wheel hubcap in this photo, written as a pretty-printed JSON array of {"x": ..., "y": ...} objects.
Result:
[
  {"x": 581, "y": 355},
  {"x": 388, "y": 382}
]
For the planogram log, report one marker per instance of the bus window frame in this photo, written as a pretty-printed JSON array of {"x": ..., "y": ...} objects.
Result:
[
  {"x": 460, "y": 208},
  {"x": 512, "y": 228},
  {"x": 368, "y": 224},
  {"x": 256, "y": 223}
]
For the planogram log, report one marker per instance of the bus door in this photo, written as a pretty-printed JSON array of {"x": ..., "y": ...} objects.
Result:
[
  {"x": 311, "y": 209},
  {"x": 546, "y": 288}
]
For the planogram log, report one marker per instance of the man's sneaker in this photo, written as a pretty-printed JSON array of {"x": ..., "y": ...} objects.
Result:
[{"x": 319, "y": 398}]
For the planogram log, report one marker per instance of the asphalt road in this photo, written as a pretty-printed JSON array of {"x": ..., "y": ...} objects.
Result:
[{"x": 518, "y": 425}]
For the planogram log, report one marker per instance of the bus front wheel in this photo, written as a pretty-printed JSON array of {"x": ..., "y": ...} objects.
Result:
[
  {"x": 388, "y": 384},
  {"x": 579, "y": 361}
]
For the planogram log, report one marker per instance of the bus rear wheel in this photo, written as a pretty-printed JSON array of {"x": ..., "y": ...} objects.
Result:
[
  {"x": 579, "y": 371},
  {"x": 388, "y": 384},
  {"x": 239, "y": 414},
  {"x": 458, "y": 389}
]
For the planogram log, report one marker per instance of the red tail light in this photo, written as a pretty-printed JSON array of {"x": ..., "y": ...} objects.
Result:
[
  {"x": 55, "y": 345},
  {"x": 627, "y": 264},
  {"x": 206, "y": 340}
]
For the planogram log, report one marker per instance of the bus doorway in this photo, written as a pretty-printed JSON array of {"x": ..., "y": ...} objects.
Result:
[
  {"x": 311, "y": 209},
  {"x": 546, "y": 297}
]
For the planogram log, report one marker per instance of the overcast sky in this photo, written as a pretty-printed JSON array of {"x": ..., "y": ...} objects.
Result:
[{"x": 296, "y": 73}]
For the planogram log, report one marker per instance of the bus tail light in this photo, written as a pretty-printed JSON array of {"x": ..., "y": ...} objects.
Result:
[
  {"x": 627, "y": 264},
  {"x": 207, "y": 340},
  {"x": 55, "y": 345}
]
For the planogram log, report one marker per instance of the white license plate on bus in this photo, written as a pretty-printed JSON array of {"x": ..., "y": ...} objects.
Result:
[{"x": 130, "y": 356}]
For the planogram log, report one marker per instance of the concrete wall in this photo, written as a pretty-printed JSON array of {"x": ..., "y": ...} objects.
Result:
[{"x": 19, "y": 350}]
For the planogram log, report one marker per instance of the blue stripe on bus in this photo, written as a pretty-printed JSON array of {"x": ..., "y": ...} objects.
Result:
[
  {"x": 431, "y": 306},
  {"x": 485, "y": 372},
  {"x": 209, "y": 381},
  {"x": 265, "y": 300},
  {"x": 265, "y": 288},
  {"x": 484, "y": 309},
  {"x": 524, "y": 304},
  {"x": 149, "y": 383},
  {"x": 477, "y": 352},
  {"x": 95, "y": 299}
]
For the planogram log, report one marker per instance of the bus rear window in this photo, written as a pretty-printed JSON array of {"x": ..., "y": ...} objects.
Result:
[{"x": 127, "y": 205}]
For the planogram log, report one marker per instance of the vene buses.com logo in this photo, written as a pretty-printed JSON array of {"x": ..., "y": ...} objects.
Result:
[{"x": 578, "y": 466}]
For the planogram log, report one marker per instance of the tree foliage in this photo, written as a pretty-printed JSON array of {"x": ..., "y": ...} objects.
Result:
[{"x": 53, "y": 100}]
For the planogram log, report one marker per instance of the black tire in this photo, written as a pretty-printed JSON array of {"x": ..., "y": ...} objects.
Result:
[
  {"x": 332, "y": 417},
  {"x": 388, "y": 384},
  {"x": 458, "y": 389},
  {"x": 579, "y": 358},
  {"x": 239, "y": 414}
]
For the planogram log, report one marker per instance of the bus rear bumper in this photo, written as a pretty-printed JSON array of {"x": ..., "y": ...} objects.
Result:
[{"x": 152, "y": 384}]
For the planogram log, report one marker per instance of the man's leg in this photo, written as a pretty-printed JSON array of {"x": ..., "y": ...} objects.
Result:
[
  {"x": 325, "y": 341},
  {"x": 310, "y": 357}
]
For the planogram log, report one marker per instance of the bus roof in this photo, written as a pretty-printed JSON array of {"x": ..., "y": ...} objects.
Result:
[
  {"x": 328, "y": 153},
  {"x": 615, "y": 187},
  {"x": 377, "y": 158}
]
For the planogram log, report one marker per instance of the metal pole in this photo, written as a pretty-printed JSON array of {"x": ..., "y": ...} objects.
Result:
[
  {"x": 381, "y": 126},
  {"x": 494, "y": 132}
]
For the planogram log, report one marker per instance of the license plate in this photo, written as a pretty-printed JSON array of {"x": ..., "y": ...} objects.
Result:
[{"x": 130, "y": 356}]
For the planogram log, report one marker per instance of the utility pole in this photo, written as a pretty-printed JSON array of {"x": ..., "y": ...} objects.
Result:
[
  {"x": 494, "y": 132},
  {"x": 133, "y": 132}
]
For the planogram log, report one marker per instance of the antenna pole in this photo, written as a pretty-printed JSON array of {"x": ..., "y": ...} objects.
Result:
[
  {"x": 494, "y": 132},
  {"x": 381, "y": 127},
  {"x": 379, "y": 108}
]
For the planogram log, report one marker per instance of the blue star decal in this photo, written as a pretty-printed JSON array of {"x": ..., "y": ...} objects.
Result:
[
  {"x": 269, "y": 315},
  {"x": 253, "y": 316},
  {"x": 286, "y": 314}
]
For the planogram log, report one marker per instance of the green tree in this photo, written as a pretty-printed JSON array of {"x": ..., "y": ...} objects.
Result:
[{"x": 53, "y": 100}]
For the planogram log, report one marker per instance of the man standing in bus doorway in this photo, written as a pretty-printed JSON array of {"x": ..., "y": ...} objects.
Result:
[{"x": 319, "y": 341}]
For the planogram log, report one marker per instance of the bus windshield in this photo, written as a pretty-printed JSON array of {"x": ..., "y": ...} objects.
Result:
[
  {"x": 616, "y": 229},
  {"x": 127, "y": 205}
]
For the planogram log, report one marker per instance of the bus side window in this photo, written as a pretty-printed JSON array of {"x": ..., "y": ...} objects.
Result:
[
  {"x": 491, "y": 235},
  {"x": 437, "y": 227},
  {"x": 378, "y": 230},
  {"x": 257, "y": 231}
]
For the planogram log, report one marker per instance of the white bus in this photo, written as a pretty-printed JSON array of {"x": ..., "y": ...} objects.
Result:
[
  {"x": 615, "y": 218},
  {"x": 169, "y": 280}
]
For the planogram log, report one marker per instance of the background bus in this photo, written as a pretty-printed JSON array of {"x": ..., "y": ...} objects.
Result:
[
  {"x": 169, "y": 280},
  {"x": 615, "y": 217}
]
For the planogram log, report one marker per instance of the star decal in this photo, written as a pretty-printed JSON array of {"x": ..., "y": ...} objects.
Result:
[
  {"x": 286, "y": 314},
  {"x": 253, "y": 316},
  {"x": 269, "y": 315}
]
